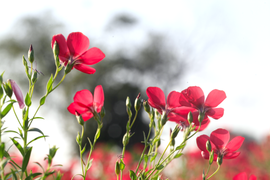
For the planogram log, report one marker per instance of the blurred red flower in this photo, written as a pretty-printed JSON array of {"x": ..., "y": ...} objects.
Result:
[{"x": 243, "y": 176}]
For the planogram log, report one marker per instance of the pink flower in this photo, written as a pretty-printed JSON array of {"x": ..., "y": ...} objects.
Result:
[
  {"x": 85, "y": 104},
  {"x": 18, "y": 93},
  {"x": 243, "y": 176},
  {"x": 219, "y": 140},
  {"x": 75, "y": 50},
  {"x": 194, "y": 97}
]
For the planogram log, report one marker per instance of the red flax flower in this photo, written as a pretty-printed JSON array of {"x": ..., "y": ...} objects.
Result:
[
  {"x": 194, "y": 97},
  {"x": 219, "y": 140},
  {"x": 173, "y": 109},
  {"x": 243, "y": 176},
  {"x": 85, "y": 104},
  {"x": 75, "y": 50}
]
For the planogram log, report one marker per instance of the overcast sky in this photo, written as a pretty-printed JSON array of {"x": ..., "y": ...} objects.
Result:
[{"x": 230, "y": 38}]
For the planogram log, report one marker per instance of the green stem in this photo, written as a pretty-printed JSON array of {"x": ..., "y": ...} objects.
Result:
[{"x": 214, "y": 172}]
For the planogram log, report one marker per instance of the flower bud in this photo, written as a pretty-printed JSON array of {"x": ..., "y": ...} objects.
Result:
[
  {"x": 208, "y": 146},
  {"x": 18, "y": 93},
  {"x": 117, "y": 168},
  {"x": 190, "y": 117},
  {"x": 219, "y": 159},
  {"x": 31, "y": 54},
  {"x": 55, "y": 49},
  {"x": 137, "y": 103},
  {"x": 34, "y": 77},
  {"x": 175, "y": 131},
  {"x": 128, "y": 103},
  {"x": 79, "y": 118},
  {"x": 79, "y": 139},
  {"x": 146, "y": 107},
  {"x": 26, "y": 66},
  {"x": 52, "y": 151},
  {"x": 126, "y": 139},
  {"x": 211, "y": 157},
  {"x": 172, "y": 142}
]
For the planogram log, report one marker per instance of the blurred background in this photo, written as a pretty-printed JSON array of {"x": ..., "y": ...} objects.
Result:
[{"x": 171, "y": 44}]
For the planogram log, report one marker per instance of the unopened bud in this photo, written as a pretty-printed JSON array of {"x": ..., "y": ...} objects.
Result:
[
  {"x": 128, "y": 103},
  {"x": 175, "y": 131},
  {"x": 8, "y": 89},
  {"x": 137, "y": 103},
  {"x": 126, "y": 139},
  {"x": 211, "y": 157},
  {"x": 117, "y": 168},
  {"x": 208, "y": 146},
  {"x": 55, "y": 49},
  {"x": 31, "y": 54},
  {"x": 172, "y": 142},
  {"x": 79, "y": 139},
  {"x": 79, "y": 118},
  {"x": 146, "y": 107},
  {"x": 34, "y": 77},
  {"x": 190, "y": 117}
]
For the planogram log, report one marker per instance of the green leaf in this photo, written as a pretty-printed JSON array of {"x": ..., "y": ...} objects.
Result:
[
  {"x": 1, "y": 91},
  {"x": 122, "y": 165},
  {"x": 31, "y": 176},
  {"x": 26, "y": 158},
  {"x": 132, "y": 175},
  {"x": 36, "y": 139},
  {"x": 178, "y": 155},
  {"x": 38, "y": 118},
  {"x": 153, "y": 157},
  {"x": 89, "y": 164},
  {"x": 180, "y": 147},
  {"x": 2, "y": 150},
  {"x": 42, "y": 100},
  {"x": 36, "y": 130},
  {"x": 18, "y": 146},
  {"x": 49, "y": 84},
  {"x": 28, "y": 100},
  {"x": 160, "y": 167},
  {"x": 14, "y": 174},
  {"x": 6, "y": 110}
]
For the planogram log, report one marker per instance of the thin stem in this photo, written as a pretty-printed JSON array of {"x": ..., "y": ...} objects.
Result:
[{"x": 214, "y": 172}]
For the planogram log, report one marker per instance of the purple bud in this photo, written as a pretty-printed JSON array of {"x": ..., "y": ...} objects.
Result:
[{"x": 18, "y": 93}]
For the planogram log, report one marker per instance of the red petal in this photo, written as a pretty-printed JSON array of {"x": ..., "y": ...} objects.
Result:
[
  {"x": 76, "y": 107},
  {"x": 201, "y": 142},
  {"x": 215, "y": 113},
  {"x": 220, "y": 138},
  {"x": 91, "y": 56},
  {"x": 252, "y": 177},
  {"x": 85, "y": 69},
  {"x": 204, "y": 124},
  {"x": 86, "y": 115},
  {"x": 84, "y": 97},
  {"x": 77, "y": 43},
  {"x": 156, "y": 98},
  {"x": 98, "y": 98},
  {"x": 63, "y": 49},
  {"x": 235, "y": 143},
  {"x": 231, "y": 155},
  {"x": 183, "y": 101},
  {"x": 173, "y": 99},
  {"x": 214, "y": 98},
  {"x": 240, "y": 176},
  {"x": 194, "y": 95}
]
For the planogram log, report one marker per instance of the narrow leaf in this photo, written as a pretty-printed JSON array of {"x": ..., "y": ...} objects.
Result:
[
  {"x": 49, "y": 84},
  {"x": 6, "y": 110},
  {"x": 26, "y": 159},
  {"x": 18, "y": 145},
  {"x": 160, "y": 167},
  {"x": 42, "y": 100},
  {"x": 132, "y": 175},
  {"x": 178, "y": 155},
  {"x": 28, "y": 100},
  {"x": 36, "y": 139}
]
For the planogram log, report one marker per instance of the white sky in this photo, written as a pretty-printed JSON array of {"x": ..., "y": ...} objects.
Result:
[{"x": 231, "y": 39}]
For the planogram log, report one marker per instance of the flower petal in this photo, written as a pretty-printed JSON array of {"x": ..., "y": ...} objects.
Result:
[
  {"x": 77, "y": 43},
  {"x": 235, "y": 144},
  {"x": 73, "y": 107},
  {"x": 241, "y": 176},
  {"x": 85, "y": 69},
  {"x": 173, "y": 99},
  {"x": 98, "y": 98},
  {"x": 215, "y": 113},
  {"x": 201, "y": 142},
  {"x": 63, "y": 49},
  {"x": 84, "y": 97},
  {"x": 91, "y": 56},
  {"x": 18, "y": 93},
  {"x": 156, "y": 98},
  {"x": 86, "y": 115},
  {"x": 194, "y": 95},
  {"x": 252, "y": 177},
  {"x": 231, "y": 155},
  {"x": 220, "y": 138},
  {"x": 214, "y": 98}
]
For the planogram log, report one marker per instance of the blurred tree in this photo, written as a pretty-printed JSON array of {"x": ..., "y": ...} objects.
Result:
[{"x": 121, "y": 73}]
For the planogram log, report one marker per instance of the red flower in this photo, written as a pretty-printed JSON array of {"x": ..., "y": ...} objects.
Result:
[
  {"x": 75, "y": 50},
  {"x": 85, "y": 104},
  {"x": 243, "y": 176},
  {"x": 173, "y": 109},
  {"x": 194, "y": 97},
  {"x": 219, "y": 140}
]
